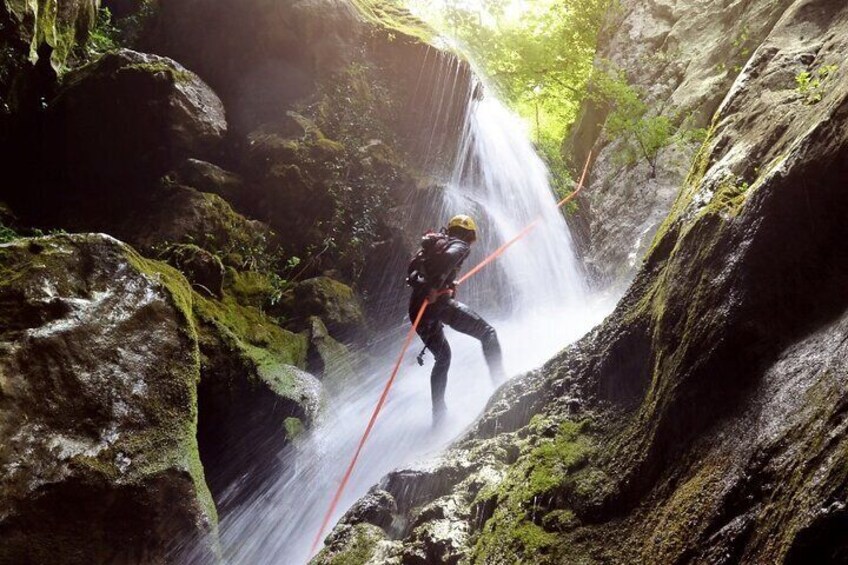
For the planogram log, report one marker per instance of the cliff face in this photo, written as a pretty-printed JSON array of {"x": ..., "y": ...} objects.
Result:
[
  {"x": 705, "y": 420},
  {"x": 683, "y": 58}
]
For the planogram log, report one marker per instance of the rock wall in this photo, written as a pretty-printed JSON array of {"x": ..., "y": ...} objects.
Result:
[
  {"x": 705, "y": 420},
  {"x": 683, "y": 57}
]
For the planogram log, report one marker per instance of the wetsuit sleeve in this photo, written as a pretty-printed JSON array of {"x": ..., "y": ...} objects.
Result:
[{"x": 450, "y": 264}]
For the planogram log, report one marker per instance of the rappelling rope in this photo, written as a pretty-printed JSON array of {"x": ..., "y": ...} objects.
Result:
[{"x": 409, "y": 336}]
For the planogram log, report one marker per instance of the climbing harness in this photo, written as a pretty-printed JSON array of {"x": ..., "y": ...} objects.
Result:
[{"x": 406, "y": 343}]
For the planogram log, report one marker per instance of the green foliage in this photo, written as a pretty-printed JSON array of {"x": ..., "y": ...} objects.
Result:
[
  {"x": 644, "y": 131},
  {"x": 104, "y": 36},
  {"x": 349, "y": 149},
  {"x": 812, "y": 85},
  {"x": 742, "y": 47},
  {"x": 7, "y": 234},
  {"x": 539, "y": 55}
]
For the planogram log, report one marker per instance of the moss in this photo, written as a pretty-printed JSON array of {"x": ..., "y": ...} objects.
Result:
[
  {"x": 183, "y": 299},
  {"x": 294, "y": 427},
  {"x": 254, "y": 333},
  {"x": 560, "y": 521},
  {"x": 168, "y": 440},
  {"x": 329, "y": 146},
  {"x": 250, "y": 288},
  {"x": 176, "y": 75},
  {"x": 547, "y": 471},
  {"x": 171, "y": 279},
  {"x": 393, "y": 18},
  {"x": 359, "y": 547},
  {"x": 62, "y": 24}
]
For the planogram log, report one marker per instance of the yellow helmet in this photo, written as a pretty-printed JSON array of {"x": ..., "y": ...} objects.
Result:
[{"x": 464, "y": 222}]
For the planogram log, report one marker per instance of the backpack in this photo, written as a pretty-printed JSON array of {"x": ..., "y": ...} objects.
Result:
[{"x": 432, "y": 244}]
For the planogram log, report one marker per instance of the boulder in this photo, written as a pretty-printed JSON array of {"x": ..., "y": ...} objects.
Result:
[
  {"x": 332, "y": 361},
  {"x": 128, "y": 118},
  {"x": 254, "y": 397},
  {"x": 260, "y": 56},
  {"x": 98, "y": 373},
  {"x": 332, "y": 301},
  {"x": 203, "y": 269},
  {"x": 179, "y": 214},
  {"x": 208, "y": 177}
]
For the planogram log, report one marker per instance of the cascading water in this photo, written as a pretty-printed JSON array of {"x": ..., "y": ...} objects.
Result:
[{"x": 534, "y": 295}]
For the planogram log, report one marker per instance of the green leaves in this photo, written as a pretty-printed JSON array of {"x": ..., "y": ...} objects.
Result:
[
  {"x": 643, "y": 131},
  {"x": 811, "y": 85},
  {"x": 538, "y": 53}
]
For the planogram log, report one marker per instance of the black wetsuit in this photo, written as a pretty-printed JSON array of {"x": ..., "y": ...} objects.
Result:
[{"x": 442, "y": 270}]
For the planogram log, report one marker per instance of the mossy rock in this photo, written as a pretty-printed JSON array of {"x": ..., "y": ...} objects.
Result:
[
  {"x": 208, "y": 177},
  {"x": 64, "y": 25},
  {"x": 253, "y": 391},
  {"x": 175, "y": 214},
  {"x": 203, "y": 269},
  {"x": 146, "y": 112},
  {"x": 333, "y": 302},
  {"x": 332, "y": 361},
  {"x": 351, "y": 545},
  {"x": 100, "y": 405},
  {"x": 250, "y": 288}
]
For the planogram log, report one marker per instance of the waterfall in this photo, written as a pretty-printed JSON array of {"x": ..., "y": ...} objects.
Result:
[
  {"x": 534, "y": 295},
  {"x": 501, "y": 180}
]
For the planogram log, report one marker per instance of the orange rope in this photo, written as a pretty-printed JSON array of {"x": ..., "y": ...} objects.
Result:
[{"x": 409, "y": 336}]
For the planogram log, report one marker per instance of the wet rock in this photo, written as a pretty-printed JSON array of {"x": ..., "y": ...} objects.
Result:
[
  {"x": 254, "y": 396},
  {"x": 207, "y": 177},
  {"x": 721, "y": 372},
  {"x": 332, "y": 361},
  {"x": 440, "y": 533},
  {"x": 684, "y": 65},
  {"x": 333, "y": 302},
  {"x": 130, "y": 117},
  {"x": 203, "y": 269},
  {"x": 98, "y": 371},
  {"x": 362, "y": 543},
  {"x": 377, "y": 507},
  {"x": 179, "y": 214}
]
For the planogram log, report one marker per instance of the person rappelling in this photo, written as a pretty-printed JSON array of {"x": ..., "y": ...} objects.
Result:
[{"x": 432, "y": 275}]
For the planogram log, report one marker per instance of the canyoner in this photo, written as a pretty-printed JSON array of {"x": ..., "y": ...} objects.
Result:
[{"x": 433, "y": 277}]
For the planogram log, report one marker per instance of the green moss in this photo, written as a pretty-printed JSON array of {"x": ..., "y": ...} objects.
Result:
[
  {"x": 250, "y": 288},
  {"x": 394, "y": 19},
  {"x": 62, "y": 24},
  {"x": 252, "y": 332},
  {"x": 549, "y": 469},
  {"x": 184, "y": 299},
  {"x": 155, "y": 67},
  {"x": 294, "y": 427},
  {"x": 359, "y": 547},
  {"x": 173, "y": 280}
]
